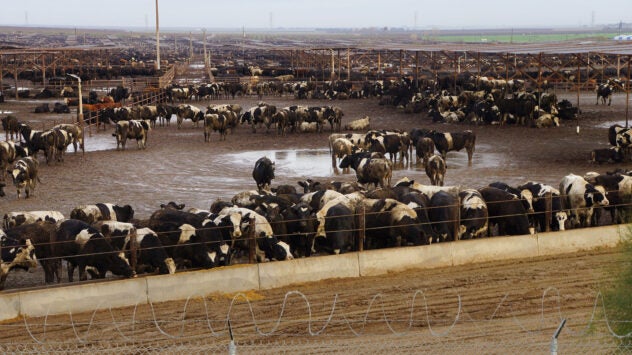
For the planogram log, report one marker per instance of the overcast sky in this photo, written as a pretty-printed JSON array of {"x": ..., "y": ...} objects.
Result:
[{"x": 315, "y": 13}]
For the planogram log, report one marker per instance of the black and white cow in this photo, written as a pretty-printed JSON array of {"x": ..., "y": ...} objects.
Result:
[
  {"x": 9, "y": 152},
  {"x": 506, "y": 211},
  {"x": 103, "y": 212},
  {"x": 151, "y": 253},
  {"x": 263, "y": 173},
  {"x": 190, "y": 112},
  {"x": 579, "y": 198},
  {"x": 14, "y": 219},
  {"x": 445, "y": 142},
  {"x": 369, "y": 168},
  {"x": 619, "y": 190},
  {"x": 339, "y": 148},
  {"x": 540, "y": 193},
  {"x": 474, "y": 215},
  {"x": 268, "y": 247},
  {"x": 75, "y": 132},
  {"x": 16, "y": 252},
  {"x": 216, "y": 123},
  {"x": 132, "y": 129},
  {"x": 179, "y": 232},
  {"x": 25, "y": 175},
  {"x": 435, "y": 169},
  {"x": 82, "y": 246},
  {"x": 605, "y": 91},
  {"x": 259, "y": 115},
  {"x": 390, "y": 223}
]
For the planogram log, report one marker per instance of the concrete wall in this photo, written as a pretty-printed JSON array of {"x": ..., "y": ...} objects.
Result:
[{"x": 239, "y": 278}]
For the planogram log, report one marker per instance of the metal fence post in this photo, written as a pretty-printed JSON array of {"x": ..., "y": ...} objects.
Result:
[
  {"x": 362, "y": 226},
  {"x": 252, "y": 253},
  {"x": 548, "y": 214},
  {"x": 555, "y": 335}
]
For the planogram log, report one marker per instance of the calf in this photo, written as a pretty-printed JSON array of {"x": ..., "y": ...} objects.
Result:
[
  {"x": 82, "y": 246},
  {"x": 25, "y": 175},
  {"x": 132, "y": 129},
  {"x": 103, "y": 212},
  {"x": 435, "y": 169}
]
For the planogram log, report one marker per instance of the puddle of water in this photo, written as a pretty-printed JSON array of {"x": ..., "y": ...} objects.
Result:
[
  {"x": 5, "y": 112},
  {"x": 304, "y": 162},
  {"x": 317, "y": 162},
  {"x": 610, "y": 123},
  {"x": 99, "y": 142}
]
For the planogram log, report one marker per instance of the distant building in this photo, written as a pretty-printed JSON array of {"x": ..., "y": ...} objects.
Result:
[{"x": 623, "y": 38}]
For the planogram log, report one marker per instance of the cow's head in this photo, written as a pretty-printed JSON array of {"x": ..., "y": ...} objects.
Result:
[{"x": 559, "y": 220}]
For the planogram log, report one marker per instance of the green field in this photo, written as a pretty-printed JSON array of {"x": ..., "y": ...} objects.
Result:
[{"x": 521, "y": 37}]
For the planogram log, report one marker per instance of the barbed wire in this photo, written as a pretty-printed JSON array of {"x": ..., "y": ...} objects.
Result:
[{"x": 335, "y": 316}]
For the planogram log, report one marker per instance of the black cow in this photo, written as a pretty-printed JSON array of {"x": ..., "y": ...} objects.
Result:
[
  {"x": 42, "y": 108},
  {"x": 10, "y": 124},
  {"x": 82, "y": 246},
  {"x": 263, "y": 173},
  {"x": 132, "y": 129},
  {"x": 58, "y": 107},
  {"x": 506, "y": 211},
  {"x": 443, "y": 212},
  {"x": 41, "y": 235},
  {"x": 339, "y": 231},
  {"x": 445, "y": 142},
  {"x": 25, "y": 175},
  {"x": 606, "y": 155},
  {"x": 390, "y": 223},
  {"x": 103, "y": 212}
]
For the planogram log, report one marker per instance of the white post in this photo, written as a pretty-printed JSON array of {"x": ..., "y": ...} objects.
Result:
[
  {"x": 80, "y": 118},
  {"x": 157, "y": 39}
]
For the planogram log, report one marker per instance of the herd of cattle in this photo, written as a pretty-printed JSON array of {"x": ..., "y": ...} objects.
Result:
[{"x": 287, "y": 222}]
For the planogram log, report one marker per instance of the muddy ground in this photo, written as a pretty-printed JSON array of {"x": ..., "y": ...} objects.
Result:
[{"x": 179, "y": 166}]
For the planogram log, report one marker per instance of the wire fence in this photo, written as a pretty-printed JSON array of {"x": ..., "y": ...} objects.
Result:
[
  {"x": 205, "y": 326},
  {"x": 367, "y": 225}
]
